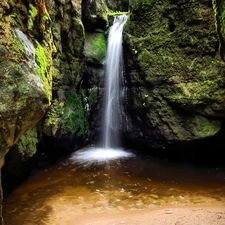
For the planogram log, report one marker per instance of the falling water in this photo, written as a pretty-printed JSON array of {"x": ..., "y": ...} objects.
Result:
[{"x": 114, "y": 69}]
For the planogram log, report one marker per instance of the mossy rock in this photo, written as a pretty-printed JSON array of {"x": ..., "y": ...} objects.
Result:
[
  {"x": 95, "y": 47},
  {"x": 173, "y": 57}
]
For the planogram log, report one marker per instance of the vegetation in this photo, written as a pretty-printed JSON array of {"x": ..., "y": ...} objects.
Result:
[
  {"x": 96, "y": 47},
  {"x": 223, "y": 14},
  {"x": 18, "y": 47},
  {"x": 74, "y": 114},
  {"x": 41, "y": 60},
  {"x": 32, "y": 14}
]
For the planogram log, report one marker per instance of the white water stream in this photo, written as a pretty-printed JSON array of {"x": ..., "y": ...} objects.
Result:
[{"x": 113, "y": 76}]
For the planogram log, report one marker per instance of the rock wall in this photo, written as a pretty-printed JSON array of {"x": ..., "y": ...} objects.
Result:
[
  {"x": 25, "y": 69},
  {"x": 175, "y": 73}
]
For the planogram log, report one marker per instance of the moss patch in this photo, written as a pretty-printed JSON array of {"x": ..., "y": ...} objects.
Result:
[
  {"x": 41, "y": 60},
  {"x": 74, "y": 113},
  {"x": 27, "y": 143},
  {"x": 32, "y": 14},
  {"x": 95, "y": 47},
  {"x": 43, "y": 63},
  {"x": 18, "y": 47}
]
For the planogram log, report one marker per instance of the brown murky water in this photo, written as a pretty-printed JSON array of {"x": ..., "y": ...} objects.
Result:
[{"x": 84, "y": 185}]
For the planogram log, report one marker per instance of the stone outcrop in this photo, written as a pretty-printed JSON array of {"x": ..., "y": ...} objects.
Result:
[{"x": 175, "y": 73}]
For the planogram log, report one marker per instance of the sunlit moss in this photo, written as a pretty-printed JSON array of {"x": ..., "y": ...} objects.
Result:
[
  {"x": 42, "y": 69},
  {"x": 32, "y": 14},
  {"x": 41, "y": 60}
]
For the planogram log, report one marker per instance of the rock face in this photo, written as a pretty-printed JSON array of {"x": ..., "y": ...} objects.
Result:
[
  {"x": 25, "y": 70},
  {"x": 25, "y": 82},
  {"x": 175, "y": 73}
]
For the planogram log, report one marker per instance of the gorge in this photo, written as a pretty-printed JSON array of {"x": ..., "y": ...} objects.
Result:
[{"x": 172, "y": 93}]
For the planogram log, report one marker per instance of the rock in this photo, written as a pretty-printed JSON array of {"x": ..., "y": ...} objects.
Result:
[{"x": 175, "y": 74}]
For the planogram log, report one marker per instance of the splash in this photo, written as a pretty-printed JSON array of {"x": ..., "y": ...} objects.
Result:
[{"x": 91, "y": 156}]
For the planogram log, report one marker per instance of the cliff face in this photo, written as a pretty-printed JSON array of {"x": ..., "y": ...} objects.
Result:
[{"x": 175, "y": 73}]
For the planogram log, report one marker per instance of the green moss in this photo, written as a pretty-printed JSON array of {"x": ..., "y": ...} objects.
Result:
[
  {"x": 53, "y": 119},
  {"x": 32, "y": 14},
  {"x": 13, "y": 19},
  {"x": 46, "y": 16},
  {"x": 41, "y": 60},
  {"x": 27, "y": 143},
  {"x": 223, "y": 14},
  {"x": 43, "y": 69},
  {"x": 117, "y": 13},
  {"x": 95, "y": 46},
  {"x": 74, "y": 114},
  {"x": 18, "y": 47}
]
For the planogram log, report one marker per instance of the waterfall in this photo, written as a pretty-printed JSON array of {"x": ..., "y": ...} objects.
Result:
[{"x": 113, "y": 76}]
